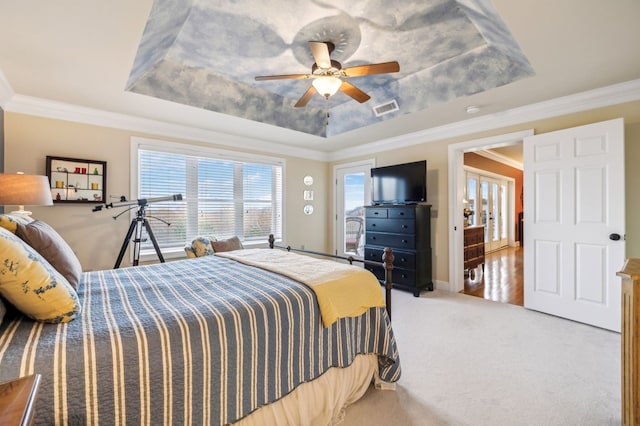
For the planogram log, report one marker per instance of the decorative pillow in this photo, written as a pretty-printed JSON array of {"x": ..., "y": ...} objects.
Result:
[
  {"x": 32, "y": 285},
  {"x": 46, "y": 241},
  {"x": 201, "y": 246},
  {"x": 230, "y": 244},
  {"x": 11, "y": 221}
]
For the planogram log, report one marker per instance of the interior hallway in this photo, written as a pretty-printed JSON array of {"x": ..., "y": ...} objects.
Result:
[{"x": 502, "y": 279}]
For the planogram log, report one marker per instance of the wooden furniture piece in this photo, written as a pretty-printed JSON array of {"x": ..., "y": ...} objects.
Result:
[
  {"x": 473, "y": 249},
  {"x": 630, "y": 275},
  {"x": 18, "y": 399},
  {"x": 406, "y": 229},
  {"x": 75, "y": 180}
]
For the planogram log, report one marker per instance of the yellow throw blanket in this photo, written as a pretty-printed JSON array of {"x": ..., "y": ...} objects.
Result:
[{"x": 342, "y": 290}]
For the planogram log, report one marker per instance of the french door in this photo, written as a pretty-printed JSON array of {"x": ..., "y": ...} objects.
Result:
[
  {"x": 353, "y": 192},
  {"x": 494, "y": 208},
  {"x": 487, "y": 197}
]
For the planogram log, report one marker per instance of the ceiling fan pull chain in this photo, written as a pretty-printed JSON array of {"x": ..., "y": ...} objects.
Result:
[{"x": 327, "y": 108}]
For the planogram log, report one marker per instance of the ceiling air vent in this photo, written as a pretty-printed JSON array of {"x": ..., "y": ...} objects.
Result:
[{"x": 385, "y": 108}]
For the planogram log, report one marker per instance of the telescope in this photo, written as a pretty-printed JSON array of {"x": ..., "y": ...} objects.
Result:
[
  {"x": 134, "y": 234},
  {"x": 140, "y": 202}
]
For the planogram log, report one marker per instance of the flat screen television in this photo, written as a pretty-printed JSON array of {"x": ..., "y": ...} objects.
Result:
[{"x": 399, "y": 184}]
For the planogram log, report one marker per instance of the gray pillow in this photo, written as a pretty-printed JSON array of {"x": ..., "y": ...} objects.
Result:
[
  {"x": 230, "y": 244},
  {"x": 46, "y": 241}
]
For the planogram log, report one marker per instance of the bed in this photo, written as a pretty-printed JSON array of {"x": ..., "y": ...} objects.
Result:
[{"x": 210, "y": 340}]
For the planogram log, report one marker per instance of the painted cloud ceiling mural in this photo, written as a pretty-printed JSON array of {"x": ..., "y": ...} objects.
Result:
[{"x": 206, "y": 53}]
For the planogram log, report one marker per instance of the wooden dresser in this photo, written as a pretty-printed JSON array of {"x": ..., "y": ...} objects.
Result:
[
  {"x": 406, "y": 229},
  {"x": 473, "y": 249}
]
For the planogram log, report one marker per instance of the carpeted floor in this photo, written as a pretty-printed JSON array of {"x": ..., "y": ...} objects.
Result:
[{"x": 468, "y": 361}]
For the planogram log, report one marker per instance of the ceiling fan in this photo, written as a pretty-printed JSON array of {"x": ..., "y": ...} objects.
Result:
[{"x": 329, "y": 76}]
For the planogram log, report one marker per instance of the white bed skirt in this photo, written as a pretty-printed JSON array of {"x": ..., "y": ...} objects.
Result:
[{"x": 322, "y": 401}]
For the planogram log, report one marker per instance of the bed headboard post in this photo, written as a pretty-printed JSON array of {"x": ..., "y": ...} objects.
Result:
[
  {"x": 272, "y": 240},
  {"x": 387, "y": 259}
]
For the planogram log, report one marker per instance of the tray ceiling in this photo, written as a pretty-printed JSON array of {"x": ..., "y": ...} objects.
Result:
[{"x": 206, "y": 53}]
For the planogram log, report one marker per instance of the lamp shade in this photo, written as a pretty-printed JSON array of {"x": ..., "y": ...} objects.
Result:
[
  {"x": 327, "y": 86},
  {"x": 24, "y": 190}
]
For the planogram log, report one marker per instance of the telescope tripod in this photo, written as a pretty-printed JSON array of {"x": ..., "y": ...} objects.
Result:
[{"x": 136, "y": 226}]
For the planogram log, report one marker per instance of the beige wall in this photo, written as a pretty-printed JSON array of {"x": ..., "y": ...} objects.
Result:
[
  {"x": 436, "y": 154},
  {"x": 97, "y": 237}
]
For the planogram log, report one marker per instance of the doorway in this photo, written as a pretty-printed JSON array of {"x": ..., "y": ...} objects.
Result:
[
  {"x": 457, "y": 198},
  {"x": 352, "y": 193}
]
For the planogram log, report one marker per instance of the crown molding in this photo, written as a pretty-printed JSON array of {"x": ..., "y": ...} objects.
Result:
[
  {"x": 492, "y": 155},
  {"x": 67, "y": 112},
  {"x": 597, "y": 98}
]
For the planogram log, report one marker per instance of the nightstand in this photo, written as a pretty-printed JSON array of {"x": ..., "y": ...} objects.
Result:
[{"x": 18, "y": 400}]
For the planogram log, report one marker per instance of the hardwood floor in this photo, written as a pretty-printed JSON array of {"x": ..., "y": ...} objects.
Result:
[{"x": 502, "y": 279}]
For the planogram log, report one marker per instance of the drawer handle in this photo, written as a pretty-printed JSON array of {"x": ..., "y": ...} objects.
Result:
[
  {"x": 405, "y": 241},
  {"x": 405, "y": 226},
  {"x": 376, "y": 213},
  {"x": 403, "y": 260},
  {"x": 373, "y": 225},
  {"x": 373, "y": 238},
  {"x": 404, "y": 275}
]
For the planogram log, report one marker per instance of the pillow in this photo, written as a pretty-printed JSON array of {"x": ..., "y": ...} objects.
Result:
[
  {"x": 201, "y": 246},
  {"x": 11, "y": 221},
  {"x": 230, "y": 244},
  {"x": 32, "y": 285},
  {"x": 46, "y": 241}
]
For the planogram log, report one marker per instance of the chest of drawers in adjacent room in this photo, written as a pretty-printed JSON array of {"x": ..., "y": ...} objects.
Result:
[{"x": 407, "y": 231}]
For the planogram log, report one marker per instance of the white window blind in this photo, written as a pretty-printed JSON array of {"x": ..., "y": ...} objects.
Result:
[{"x": 222, "y": 197}]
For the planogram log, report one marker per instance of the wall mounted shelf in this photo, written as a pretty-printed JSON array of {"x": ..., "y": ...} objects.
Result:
[{"x": 74, "y": 180}]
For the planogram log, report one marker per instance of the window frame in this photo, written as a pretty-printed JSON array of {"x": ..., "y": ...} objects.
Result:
[{"x": 139, "y": 143}]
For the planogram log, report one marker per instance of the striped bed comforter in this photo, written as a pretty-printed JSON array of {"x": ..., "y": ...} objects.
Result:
[{"x": 198, "y": 341}]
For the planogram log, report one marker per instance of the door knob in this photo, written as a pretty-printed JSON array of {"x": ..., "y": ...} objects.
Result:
[{"x": 614, "y": 237}]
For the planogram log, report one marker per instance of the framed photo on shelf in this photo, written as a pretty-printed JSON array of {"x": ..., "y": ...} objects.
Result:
[{"x": 74, "y": 180}]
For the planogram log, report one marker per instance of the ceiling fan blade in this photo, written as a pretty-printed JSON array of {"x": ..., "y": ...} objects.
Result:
[
  {"x": 354, "y": 92},
  {"x": 381, "y": 68},
  {"x": 280, "y": 77},
  {"x": 320, "y": 52},
  {"x": 306, "y": 97}
]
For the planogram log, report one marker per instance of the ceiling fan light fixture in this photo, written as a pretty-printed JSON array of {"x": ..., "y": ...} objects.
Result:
[{"x": 327, "y": 86}]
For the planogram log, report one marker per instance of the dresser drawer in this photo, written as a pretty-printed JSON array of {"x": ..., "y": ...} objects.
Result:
[
  {"x": 402, "y": 277},
  {"x": 399, "y": 226},
  {"x": 379, "y": 212},
  {"x": 398, "y": 241},
  {"x": 402, "y": 213},
  {"x": 401, "y": 259}
]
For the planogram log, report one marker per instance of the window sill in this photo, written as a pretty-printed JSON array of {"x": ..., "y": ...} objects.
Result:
[{"x": 150, "y": 256}]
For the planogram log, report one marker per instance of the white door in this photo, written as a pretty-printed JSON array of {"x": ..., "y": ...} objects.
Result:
[
  {"x": 353, "y": 192},
  {"x": 574, "y": 213},
  {"x": 493, "y": 196}
]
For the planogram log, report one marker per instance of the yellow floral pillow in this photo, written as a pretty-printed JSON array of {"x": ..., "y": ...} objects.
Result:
[
  {"x": 201, "y": 246},
  {"x": 10, "y": 221},
  {"x": 32, "y": 285}
]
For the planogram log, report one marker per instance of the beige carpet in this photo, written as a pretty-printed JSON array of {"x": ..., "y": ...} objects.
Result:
[{"x": 467, "y": 361}]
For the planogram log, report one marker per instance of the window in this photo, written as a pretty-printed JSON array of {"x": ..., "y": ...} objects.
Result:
[{"x": 224, "y": 194}]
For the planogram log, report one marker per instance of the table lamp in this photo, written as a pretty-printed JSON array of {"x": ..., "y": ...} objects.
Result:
[{"x": 24, "y": 190}]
